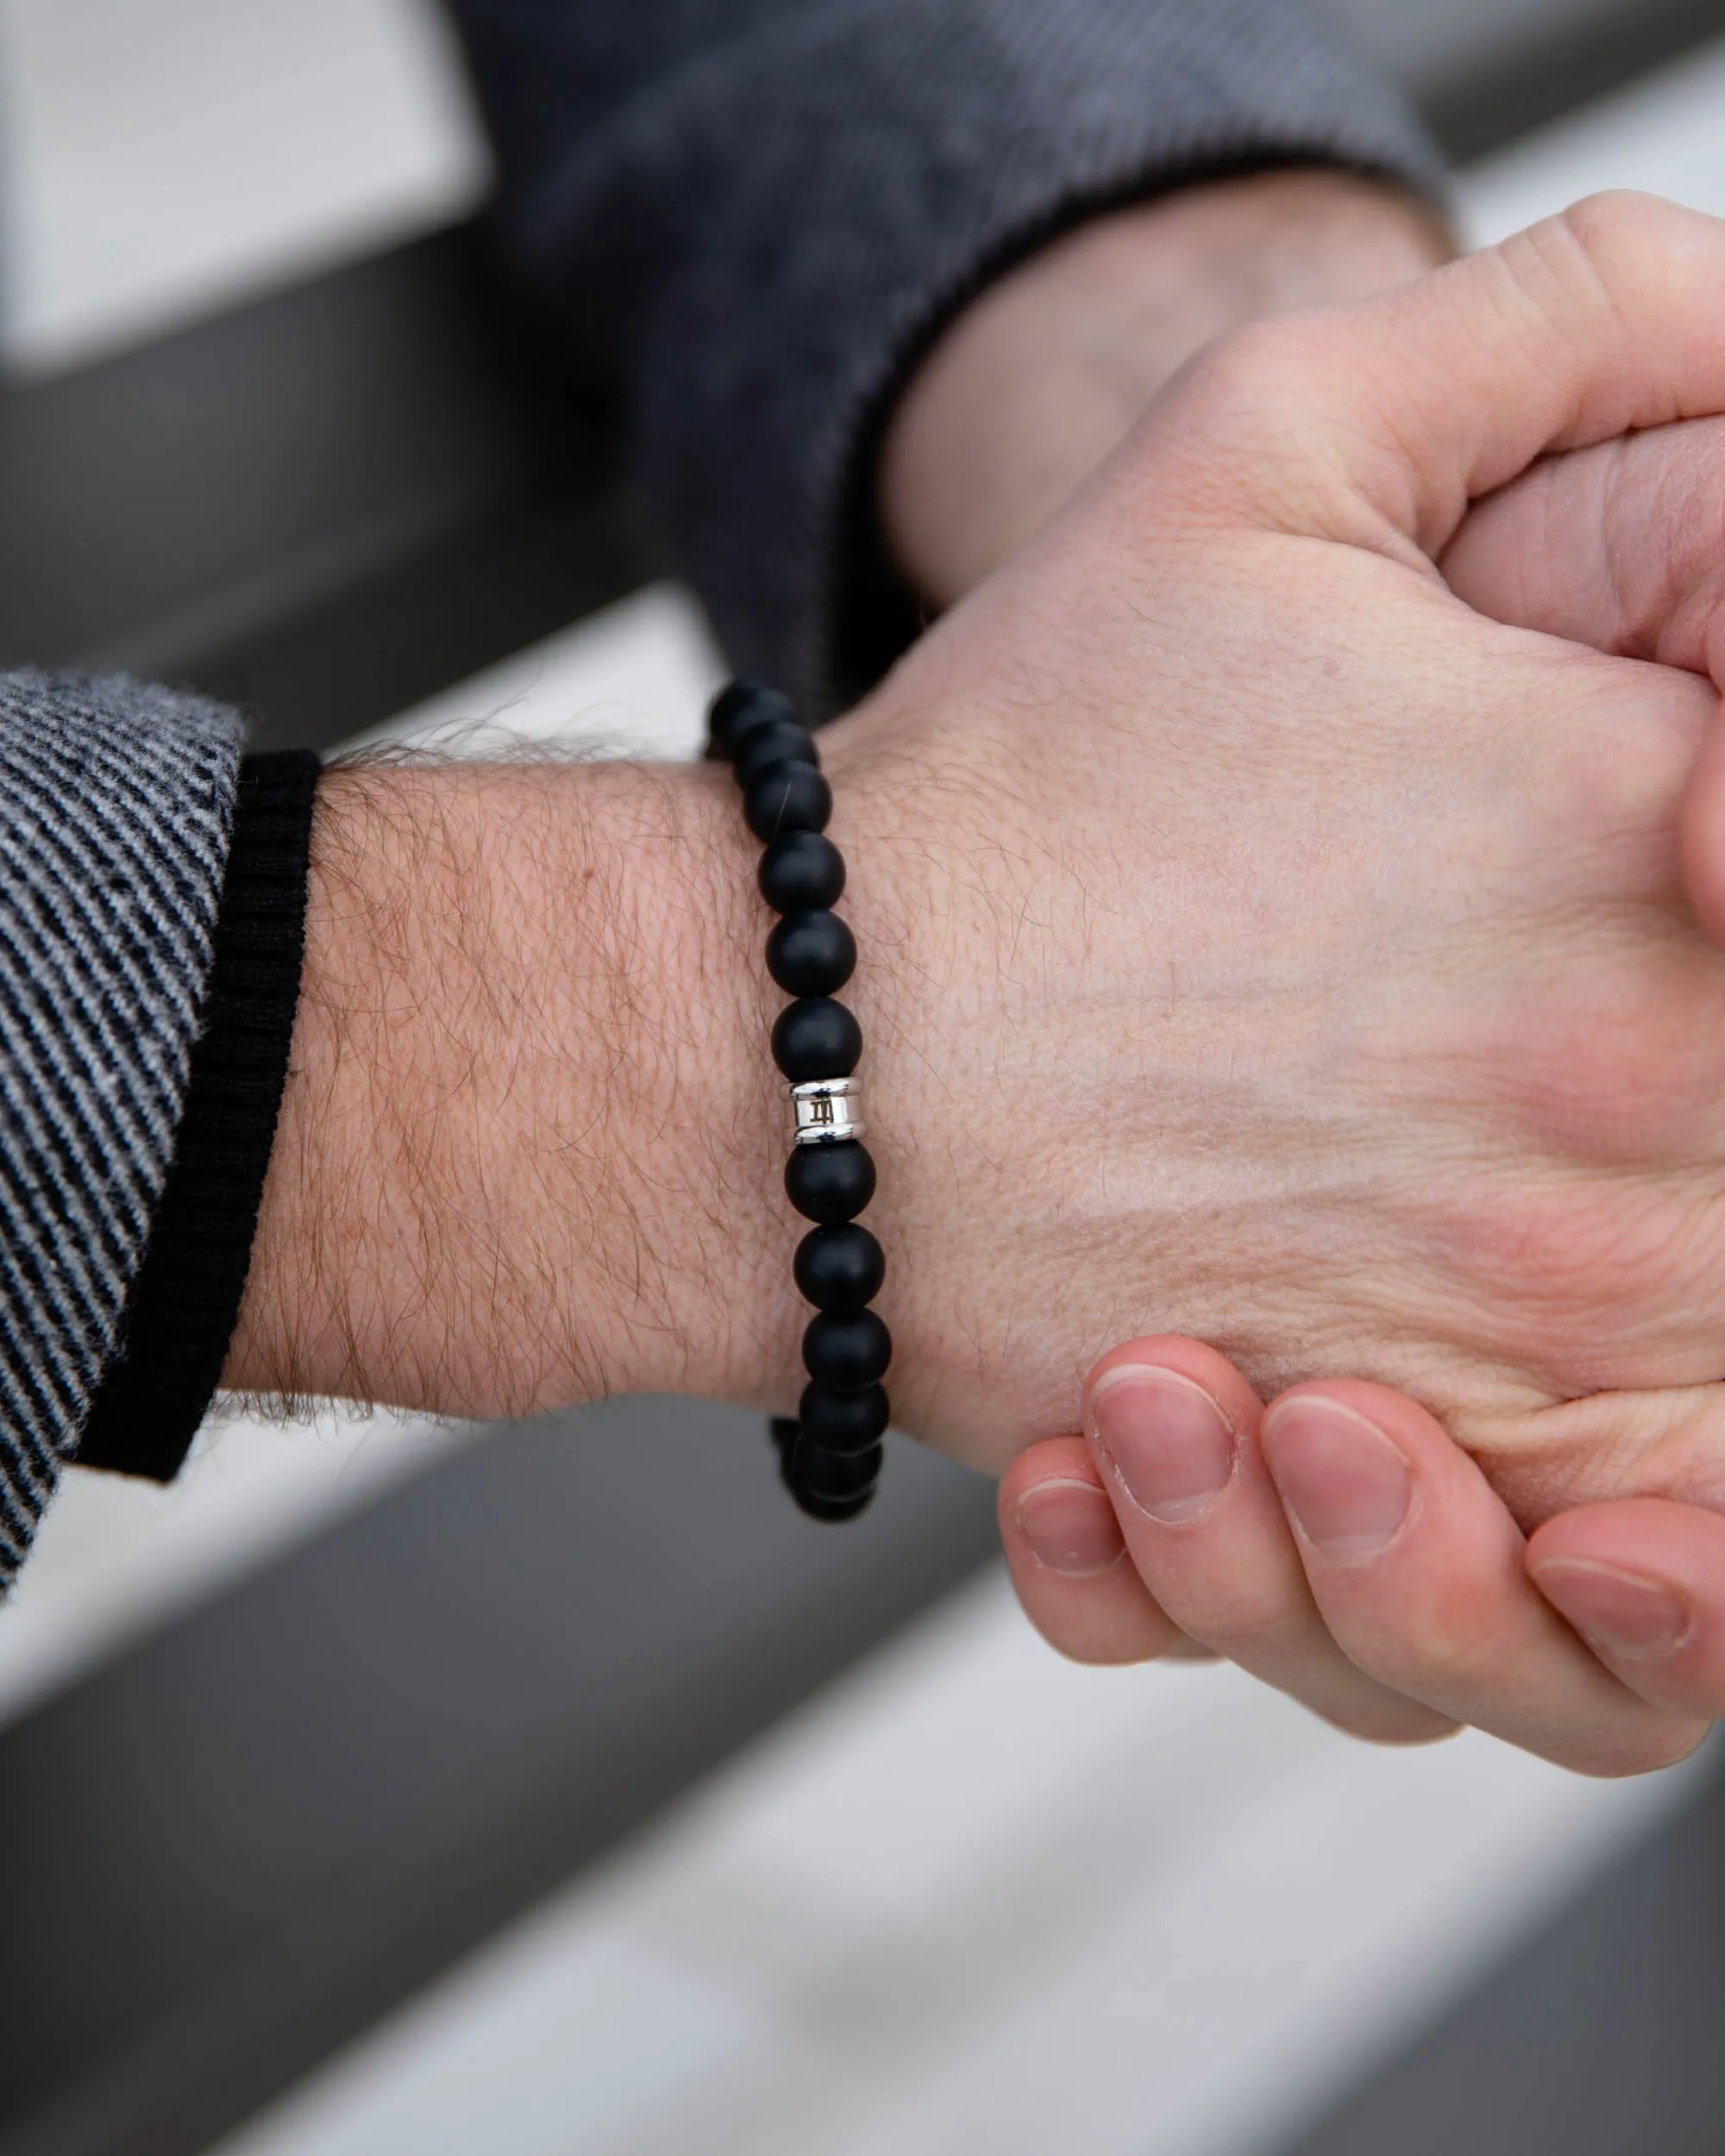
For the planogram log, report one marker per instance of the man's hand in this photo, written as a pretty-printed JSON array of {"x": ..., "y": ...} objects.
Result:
[
  {"x": 1306, "y": 955},
  {"x": 1398, "y": 1626},
  {"x": 1255, "y": 941},
  {"x": 1042, "y": 375}
]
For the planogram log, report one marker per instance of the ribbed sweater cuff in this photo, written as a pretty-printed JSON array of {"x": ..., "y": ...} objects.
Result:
[{"x": 185, "y": 1299}]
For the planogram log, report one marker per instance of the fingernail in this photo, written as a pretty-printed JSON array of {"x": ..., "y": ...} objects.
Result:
[
  {"x": 1071, "y": 1527},
  {"x": 1624, "y": 1613},
  {"x": 1345, "y": 1486},
  {"x": 1165, "y": 1439}
]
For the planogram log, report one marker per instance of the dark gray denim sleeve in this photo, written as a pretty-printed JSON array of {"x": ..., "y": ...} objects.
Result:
[
  {"x": 116, "y": 802},
  {"x": 753, "y": 216}
]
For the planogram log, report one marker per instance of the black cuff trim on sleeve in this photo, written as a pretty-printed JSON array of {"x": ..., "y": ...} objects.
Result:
[{"x": 185, "y": 1301}]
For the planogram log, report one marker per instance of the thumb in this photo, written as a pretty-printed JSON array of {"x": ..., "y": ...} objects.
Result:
[
  {"x": 1621, "y": 547},
  {"x": 1379, "y": 424}
]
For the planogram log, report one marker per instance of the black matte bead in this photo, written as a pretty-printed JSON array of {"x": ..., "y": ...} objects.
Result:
[
  {"x": 816, "y": 1037},
  {"x": 737, "y": 712},
  {"x": 840, "y": 1268},
  {"x": 833, "y": 1476},
  {"x": 784, "y": 742},
  {"x": 834, "y": 1510},
  {"x": 783, "y": 1430},
  {"x": 845, "y": 1422},
  {"x": 811, "y": 954},
  {"x": 800, "y": 871},
  {"x": 791, "y": 797},
  {"x": 830, "y": 1183},
  {"x": 849, "y": 1353}
]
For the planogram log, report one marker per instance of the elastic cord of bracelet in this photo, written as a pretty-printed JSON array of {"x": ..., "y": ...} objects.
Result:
[{"x": 830, "y": 1454}]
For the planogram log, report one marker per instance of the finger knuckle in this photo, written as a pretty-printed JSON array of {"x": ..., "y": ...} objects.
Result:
[
  {"x": 1237, "y": 429},
  {"x": 1613, "y": 220},
  {"x": 1596, "y": 254},
  {"x": 1244, "y": 373},
  {"x": 1629, "y": 256}
]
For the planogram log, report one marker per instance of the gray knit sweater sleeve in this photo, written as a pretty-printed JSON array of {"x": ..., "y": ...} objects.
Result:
[
  {"x": 115, "y": 804},
  {"x": 753, "y": 215}
]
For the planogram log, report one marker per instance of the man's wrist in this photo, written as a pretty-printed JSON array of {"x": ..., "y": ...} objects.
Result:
[
  {"x": 528, "y": 1151},
  {"x": 1041, "y": 376}
]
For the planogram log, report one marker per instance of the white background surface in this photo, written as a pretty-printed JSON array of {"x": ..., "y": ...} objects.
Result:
[
  {"x": 1156, "y": 1914},
  {"x": 1159, "y": 1912},
  {"x": 160, "y": 157}
]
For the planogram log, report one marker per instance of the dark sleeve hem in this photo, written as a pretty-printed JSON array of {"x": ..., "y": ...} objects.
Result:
[
  {"x": 759, "y": 242},
  {"x": 869, "y": 616},
  {"x": 186, "y": 1299}
]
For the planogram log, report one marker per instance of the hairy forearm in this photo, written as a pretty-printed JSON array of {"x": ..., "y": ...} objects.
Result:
[
  {"x": 529, "y": 1149},
  {"x": 1039, "y": 377}
]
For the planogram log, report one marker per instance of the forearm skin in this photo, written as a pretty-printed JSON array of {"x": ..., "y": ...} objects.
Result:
[{"x": 530, "y": 1145}]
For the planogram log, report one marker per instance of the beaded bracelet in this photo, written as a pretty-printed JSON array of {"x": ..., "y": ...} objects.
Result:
[{"x": 830, "y": 1453}]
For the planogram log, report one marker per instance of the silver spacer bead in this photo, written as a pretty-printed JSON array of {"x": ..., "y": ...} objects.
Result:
[{"x": 826, "y": 1110}]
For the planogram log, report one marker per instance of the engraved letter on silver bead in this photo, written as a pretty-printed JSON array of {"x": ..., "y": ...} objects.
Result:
[{"x": 826, "y": 1110}]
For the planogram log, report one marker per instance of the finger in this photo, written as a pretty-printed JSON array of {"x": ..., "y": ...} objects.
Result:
[
  {"x": 1701, "y": 822},
  {"x": 1620, "y": 547},
  {"x": 1420, "y": 1573},
  {"x": 1067, "y": 1560},
  {"x": 1398, "y": 412},
  {"x": 1173, "y": 1428},
  {"x": 1643, "y": 1582}
]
